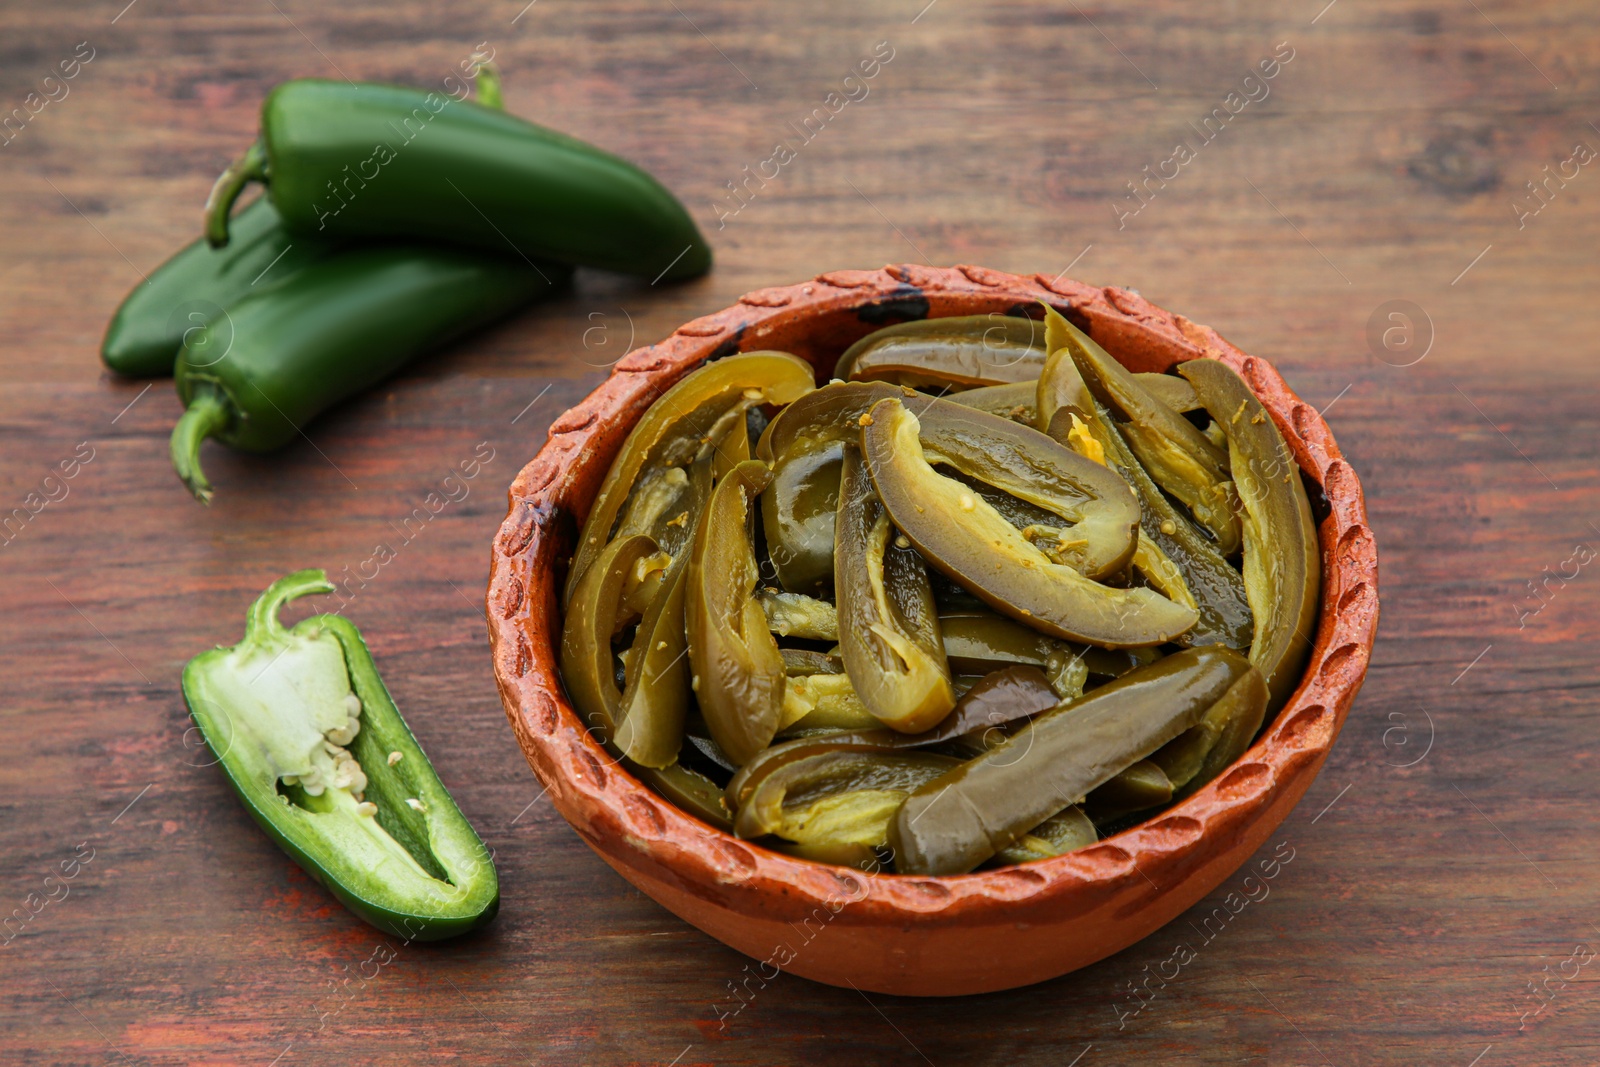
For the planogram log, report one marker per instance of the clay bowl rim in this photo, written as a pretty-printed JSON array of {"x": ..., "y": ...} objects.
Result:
[{"x": 625, "y": 821}]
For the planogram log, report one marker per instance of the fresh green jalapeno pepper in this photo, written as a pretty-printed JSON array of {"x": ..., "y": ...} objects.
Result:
[
  {"x": 146, "y": 333},
  {"x": 1214, "y": 587},
  {"x": 956, "y": 821},
  {"x": 365, "y": 161},
  {"x": 949, "y": 353},
  {"x": 258, "y": 374},
  {"x": 1282, "y": 565},
  {"x": 738, "y": 672},
  {"x": 1017, "y": 401},
  {"x": 966, "y": 539},
  {"x": 836, "y": 797},
  {"x": 1065, "y": 832},
  {"x": 1180, "y": 458},
  {"x": 888, "y": 624},
  {"x": 678, "y": 427},
  {"x": 1206, "y": 749},
  {"x": 310, "y": 739}
]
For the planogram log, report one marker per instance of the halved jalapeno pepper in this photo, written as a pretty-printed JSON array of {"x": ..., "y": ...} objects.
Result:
[{"x": 836, "y": 797}]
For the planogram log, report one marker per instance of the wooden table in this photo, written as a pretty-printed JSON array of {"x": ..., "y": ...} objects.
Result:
[{"x": 1440, "y": 906}]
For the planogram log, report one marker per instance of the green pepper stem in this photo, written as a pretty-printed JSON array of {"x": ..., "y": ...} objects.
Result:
[
  {"x": 489, "y": 87},
  {"x": 208, "y": 414},
  {"x": 250, "y": 167},
  {"x": 262, "y": 622}
]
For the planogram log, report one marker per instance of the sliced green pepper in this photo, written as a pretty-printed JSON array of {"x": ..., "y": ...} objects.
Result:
[
  {"x": 1213, "y": 585},
  {"x": 888, "y": 625},
  {"x": 798, "y": 615},
  {"x": 1065, "y": 832},
  {"x": 1180, "y": 458},
  {"x": 1016, "y": 401},
  {"x": 738, "y": 672},
  {"x": 978, "y": 640},
  {"x": 949, "y": 353},
  {"x": 955, "y": 822},
  {"x": 823, "y": 702},
  {"x": 1282, "y": 565},
  {"x": 382, "y": 161},
  {"x": 678, "y": 427},
  {"x": 836, "y": 797},
  {"x": 1138, "y": 787},
  {"x": 1206, "y": 749},
  {"x": 312, "y": 742},
  {"x": 1172, "y": 391},
  {"x": 969, "y": 541}
]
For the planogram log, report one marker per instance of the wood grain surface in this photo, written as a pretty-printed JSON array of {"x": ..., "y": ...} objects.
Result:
[{"x": 1439, "y": 907}]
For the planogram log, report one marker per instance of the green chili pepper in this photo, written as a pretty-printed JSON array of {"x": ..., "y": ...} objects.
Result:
[
  {"x": 368, "y": 160},
  {"x": 1169, "y": 539},
  {"x": 314, "y": 746},
  {"x": 888, "y": 625},
  {"x": 738, "y": 673},
  {"x": 1062, "y": 833},
  {"x": 680, "y": 425},
  {"x": 976, "y": 639},
  {"x": 836, "y": 797},
  {"x": 800, "y": 616},
  {"x": 1017, "y": 401},
  {"x": 955, "y": 822},
  {"x": 1206, "y": 749},
  {"x": 190, "y": 289},
  {"x": 950, "y": 353},
  {"x": 970, "y": 542},
  {"x": 1180, "y": 458},
  {"x": 1282, "y": 565},
  {"x": 1138, "y": 787},
  {"x": 258, "y": 374}
]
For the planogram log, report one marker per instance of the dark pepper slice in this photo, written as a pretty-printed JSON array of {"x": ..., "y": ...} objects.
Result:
[
  {"x": 254, "y": 377},
  {"x": 1062, "y": 833},
  {"x": 967, "y": 540},
  {"x": 382, "y": 161},
  {"x": 959, "y": 352},
  {"x": 1181, "y": 459},
  {"x": 676, "y": 428},
  {"x": 839, "y": 797},
  {"x": 310, "y": 739},
  {"x": 955, "y": 822},
  {"x": 1282, "y": 565},
  {"x": 888, "y": 625},
  {"x": 738, "y": 672},
  {"x": 978, "y": 640}
]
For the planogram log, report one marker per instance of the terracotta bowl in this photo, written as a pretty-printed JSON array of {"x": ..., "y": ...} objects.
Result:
[{"x": 902, "y": 934}]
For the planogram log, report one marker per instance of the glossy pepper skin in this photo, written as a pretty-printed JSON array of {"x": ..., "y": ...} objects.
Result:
[
  {"x": 147, "y": 332},
  {"x": 953, "y": 353},
  {"x": 258, "y": 374},
  {"x": 1056, "y": 760},
  {"x": 386, "y": 161},
  {"x": 1282, "y": 564},
  {"x": 681, "y": 425},
  {"x": 974, "y": 546},
  {"x": 738, "y": 671},
  {"x": 888, "y": 624},
  {"x": 414, "y": 867}
]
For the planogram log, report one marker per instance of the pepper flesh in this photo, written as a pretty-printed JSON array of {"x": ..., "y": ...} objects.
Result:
[
  {"x": 382, "y": 161},
  {"x": 955, "y": 822},
  {"x": 738, "y": 671},
  {"x": 1282, "y": 565},
  {"x": 841, "y": 796},
  {"x": 1181, "y": 459},
  {"x": 302, "y": 713},
  {"x": 255, "y": 376},
  {"x": 673, "y": 430},
  {"x": 968, "y": 540},
  {"x": 957, "y": 352},
  {"x": 888, "y": 625}
]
